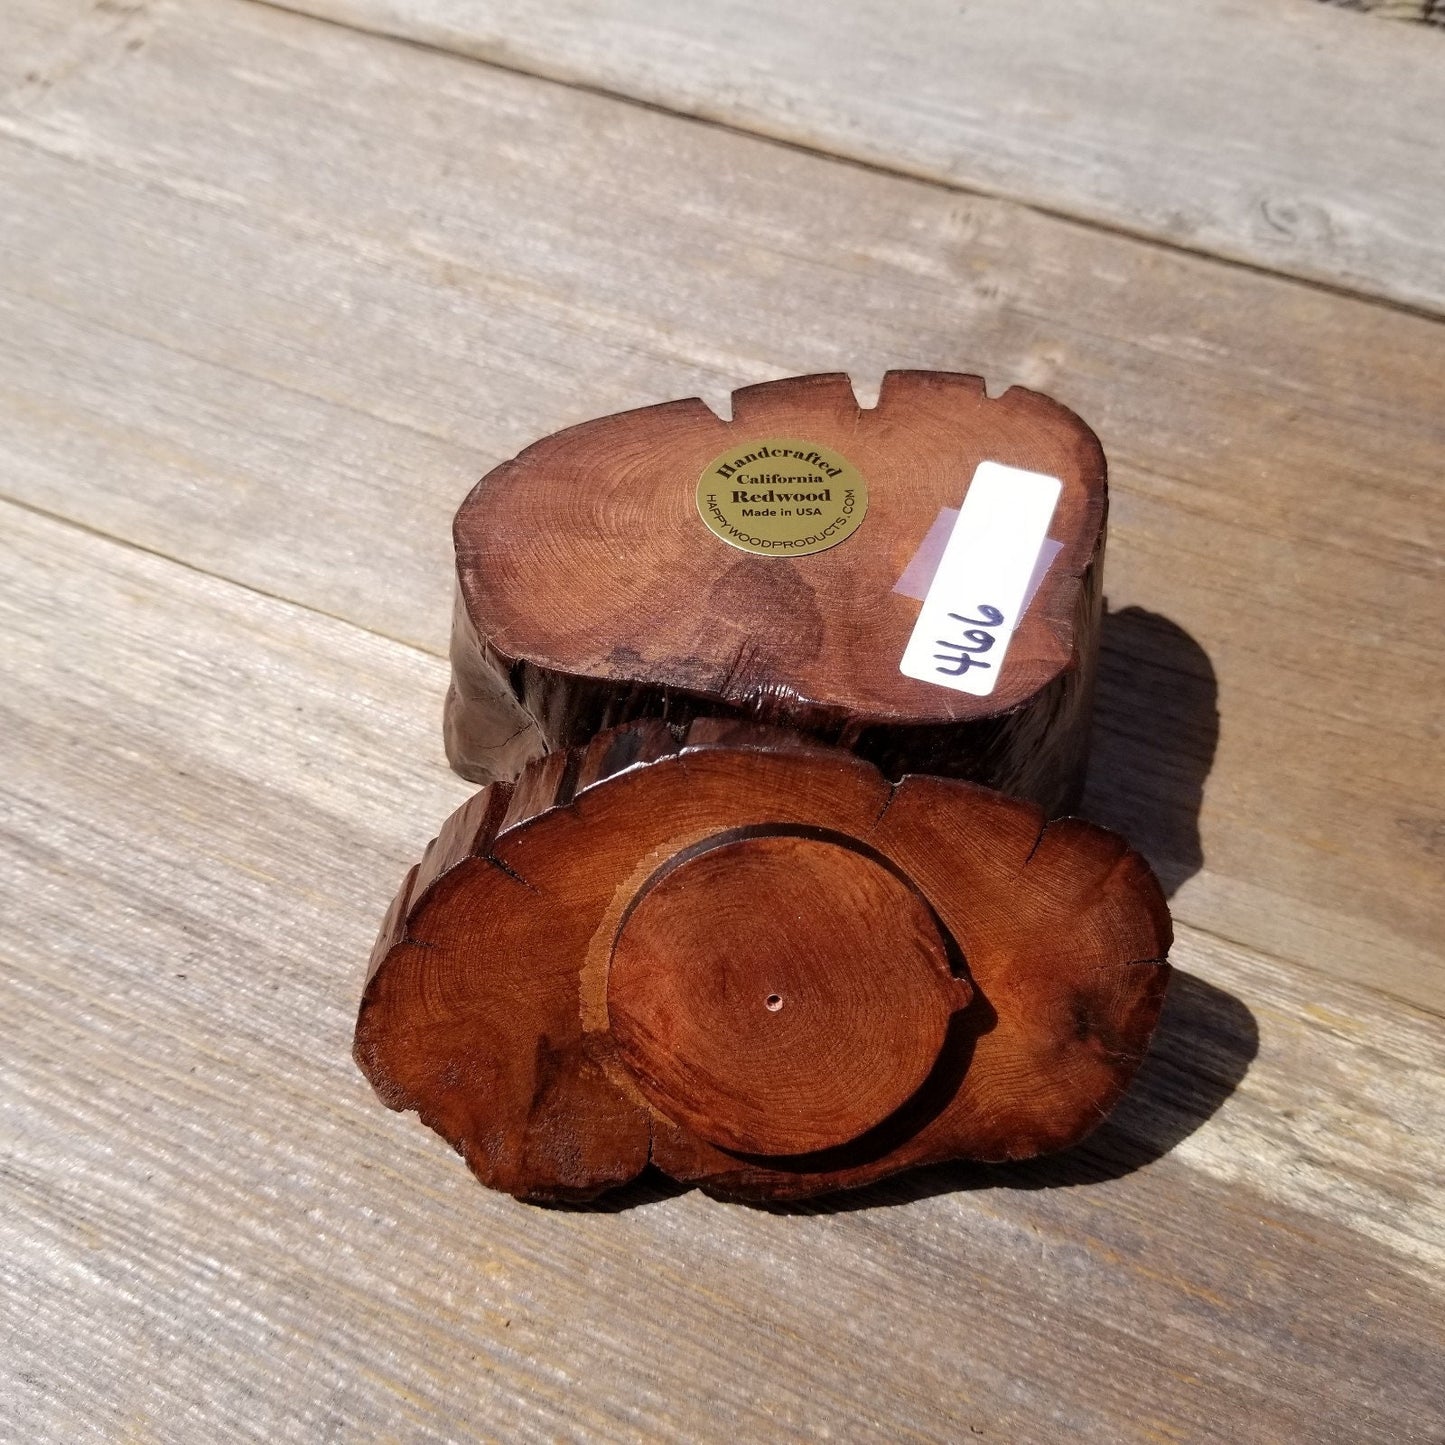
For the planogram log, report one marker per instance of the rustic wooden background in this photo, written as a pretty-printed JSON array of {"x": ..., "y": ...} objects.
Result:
[{"x": 277, "y": 283}]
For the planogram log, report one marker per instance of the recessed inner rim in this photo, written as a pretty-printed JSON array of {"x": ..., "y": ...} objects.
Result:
[
  {"x": 700, "y": 1089},
  {"x": 958, "y": 964}
]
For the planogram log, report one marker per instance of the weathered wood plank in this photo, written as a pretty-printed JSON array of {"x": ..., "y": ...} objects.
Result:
[
  {"x": 284, "y": 360},
  {"x": 1279, "y": 134},
  {"x": 211, "y": 1229},
  {"x": 43, "y": 43}
]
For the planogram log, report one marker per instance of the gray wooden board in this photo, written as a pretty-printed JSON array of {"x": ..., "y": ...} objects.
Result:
[
  {"x": 1275, "y": 132},
  {"x": 275, "y": 293},
  {"x": 272, "y": 294},
  {"x": 212, "y": 1231}
]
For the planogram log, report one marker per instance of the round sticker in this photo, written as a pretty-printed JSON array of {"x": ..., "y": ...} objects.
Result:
[{"x": 781, "y": 497}]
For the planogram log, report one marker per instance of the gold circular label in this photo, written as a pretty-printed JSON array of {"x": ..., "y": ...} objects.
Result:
[{"x": 782, "y": 498}]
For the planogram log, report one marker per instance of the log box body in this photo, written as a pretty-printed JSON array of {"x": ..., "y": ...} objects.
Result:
[
  {"x": 759, "y": 892},
  {"x": 592, "y": 589}
]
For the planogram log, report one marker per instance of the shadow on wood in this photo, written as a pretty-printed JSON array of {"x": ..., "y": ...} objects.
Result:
[
  {"x": 1156, "y": 727},
  {"x": 576, "y": 976},
  {"x": 1203, "y": 1046}
]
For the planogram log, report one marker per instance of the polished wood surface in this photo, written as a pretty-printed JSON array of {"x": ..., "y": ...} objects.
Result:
[
  {"x": 591, "y": 592},
  {"x": 764, "y": 969},
  {"x": 276, "y": 292}
]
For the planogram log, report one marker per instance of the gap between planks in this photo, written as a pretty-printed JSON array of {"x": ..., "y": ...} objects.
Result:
[
  {"x": 877, "y": 167},
  {"x": 101, "y": 535},
  {"x": 629, "y": 50}
]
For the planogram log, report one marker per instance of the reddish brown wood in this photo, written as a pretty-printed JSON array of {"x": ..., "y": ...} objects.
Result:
[
  {"x": 590, "y": 591},
  {"x": 779, "y": 993},
  {"x": 759, "y": 965}
]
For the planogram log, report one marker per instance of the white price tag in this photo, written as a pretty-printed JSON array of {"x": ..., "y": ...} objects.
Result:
[{"x": 983, "y": 581}]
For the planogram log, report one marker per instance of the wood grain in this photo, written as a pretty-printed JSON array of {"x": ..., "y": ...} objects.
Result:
[
  {"x": 272, "y": 293},
  {"x": 210, "y": 1230},
  {"x": 771, "y": 950},
  {"x": 465, "y": 272},
  {"x": 802, "y": 1065},
  {"x": 1278, "y": 134},
  {"x": 571, "y": 558}
]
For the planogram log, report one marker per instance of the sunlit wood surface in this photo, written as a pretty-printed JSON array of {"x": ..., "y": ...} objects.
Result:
[{"x": 276, "y": 287}]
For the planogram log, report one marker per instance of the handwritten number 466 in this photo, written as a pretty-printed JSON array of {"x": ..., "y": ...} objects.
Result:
[{"x": 976, "y": 639}]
